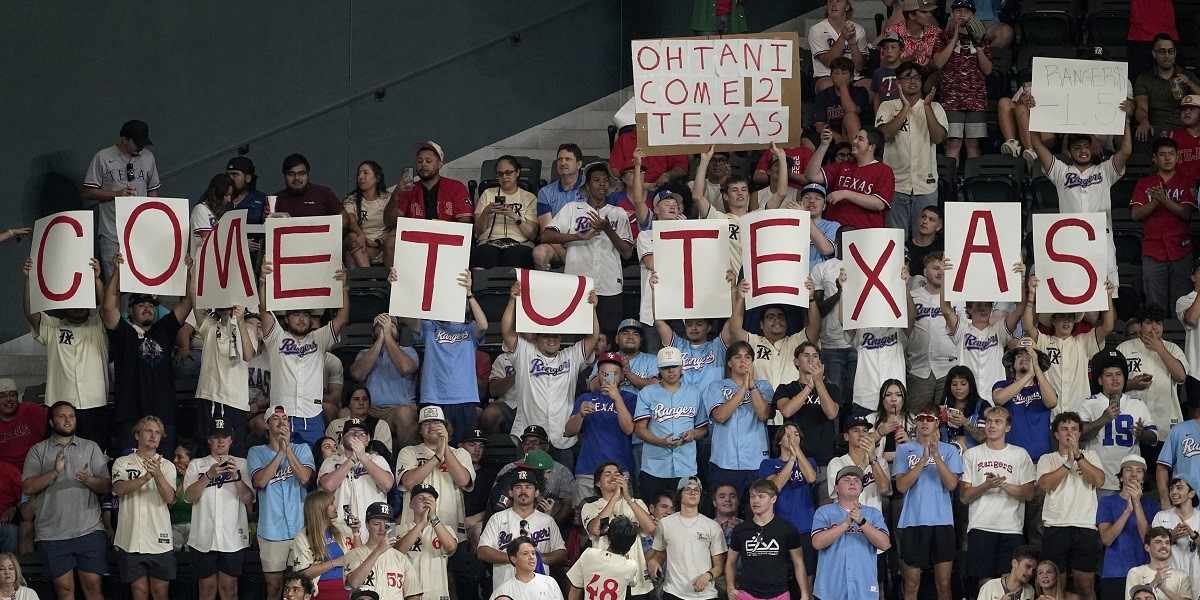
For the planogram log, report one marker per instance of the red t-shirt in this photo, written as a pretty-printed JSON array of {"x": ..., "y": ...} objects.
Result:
[
  {"x": 800, "y": 153},
  {"x": 1148, "y": 18},
  {"x": 1189, "y": 152},
  {"x": 10, "y": 486},
  {"x": 17, "y": 436},
  {"x": 874, "y": 179},
  {"x": 452, "y": 201},
  {"x": 1165, "y": 237},
  {"x": 314, "y": 201},
  {"x": 621, "y": 158}
]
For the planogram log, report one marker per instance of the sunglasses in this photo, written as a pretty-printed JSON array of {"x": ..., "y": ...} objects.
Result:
[{"x": 926, "y": 418}]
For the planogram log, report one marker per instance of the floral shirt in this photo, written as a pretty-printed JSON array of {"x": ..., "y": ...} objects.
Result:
[
  {"x": 918, "y": 49},
  {"x": 963, "y": 87}
]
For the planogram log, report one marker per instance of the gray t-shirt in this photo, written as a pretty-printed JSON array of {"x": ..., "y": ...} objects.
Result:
[
  {"x": 66, "y": 509},
  {"x": 110, "y": 170}
]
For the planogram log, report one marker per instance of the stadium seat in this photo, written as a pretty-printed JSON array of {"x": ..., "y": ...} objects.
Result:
[
  {"x": 1026, "y": 53},
  {"x": 369, "y": 290},
  {"x": 1122, "y": 192},
  {"x": 993, "y": 178},
  {"x": 1045, "y": 194},
  {"x": 1047, "y": 28},
  {"x": 1107, "y": 24},
  {"x": 947, "y": 179}
]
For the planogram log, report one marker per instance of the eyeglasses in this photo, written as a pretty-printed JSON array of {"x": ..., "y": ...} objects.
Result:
[
  {"x": 926, "y": 418},
  {"x": 524, "y": 528},
  {"x": 909, "y": 76},
  {"x": 1167, "y": 51},
  {"x": 507, "y": 173},
  {"x": 130, "y": 174}
]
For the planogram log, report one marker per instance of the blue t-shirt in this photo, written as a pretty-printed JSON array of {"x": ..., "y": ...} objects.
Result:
[
  {"x": 848, "y": 565},
  {"x": 702, "y": 363},
  {"x": 927, "y": 502},
  {"x": 1030, "y": 419},
  {"x": 1127, "y": 550},
  {"x": 1181, "y": 452},
  {"x": 643, "y": 365},
  {"x": 387, "y": 386},
  {"x": 601, "y": 439},
  {"x": 795, "y": 502},
  {"x": 332, "y": 550},
  {"x": 670, "y": 415},
  {"x": 281, "y": 502},
  {"x": 553, "y": 196},
  {"x": 830, "y": 229},
  {"x": 255, "y": 204},
  {"x": 448, "y": 374},
  {"x": 740, "y": 443}
]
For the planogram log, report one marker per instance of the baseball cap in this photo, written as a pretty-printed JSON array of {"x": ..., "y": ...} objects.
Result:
[
  {"x": 667, "y": 195},
  {"x": 423, "y": 488},
  {"x": 611, "y": 357},
  {"x": 848, "y": 471},
  {"x": 278, "y": 409},
  {"x": 1131, "y": 459},
  {"x": 240, "y": 163},
  {"x": 593, "y": 167},
  {"x": 928, "y": 409},
  {"x": 538, "y": 459},
  {"x": 353, "y": 423},
  {"x": 379, "y": 510},
  {"x": 536, "y": 431},
  {"x": 813, "y": 187},
  {"x": 526, "y": 475},
  {"x": 138, "y": 131},
  {"x": 858, "y": 422},
  {"x": 1137, "y": 589},
  {"x": 888, "y": 37},
  {"x": 669, "y": 356},
  {"x": 363, "y": 594},
  {"x": 476, "y": 435},
  {"x": 634, "y": 324},
  {"x": 969, "y": 4},
  {"x": 432, "y": 145},
  {"x": 685, "y": 481},
  {"x": 911, "y": 5},
  {"x": 135, "y": 299},
  {"x": 1190, "y": 100},
  {"x": 7, "y": 385},
  {"x": 431, "y": 413},
  {"x": 218, "y": 429}
]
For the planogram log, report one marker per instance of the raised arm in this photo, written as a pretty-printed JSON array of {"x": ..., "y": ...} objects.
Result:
[
  {"x": 1121, "y": 158},
  {"x": 699, "y": 195},
  {"x": 1044, "y": 155},
  {"x": 110, "y": 306},
  {"x": 813, "y": 171},
  {"x": 34, "y": 319},
  {"x": 637, "y": 192},
  {"x": 508, "y": 329}
]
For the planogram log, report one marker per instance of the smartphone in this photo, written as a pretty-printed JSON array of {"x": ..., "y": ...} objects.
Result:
[
  {"x": 608, "y": 378},
  {"x": 500, "y": 200},
  {"x": 346, "y": 510},
  {"x": 406, "y": 174}
]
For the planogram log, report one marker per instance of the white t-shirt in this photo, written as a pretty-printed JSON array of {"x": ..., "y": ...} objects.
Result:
[
  {"x": 143, "y": 519},
  {"x": 1191, "y": 340},
  {"x": 224, "y": 372},
  {"x": 298, "y": 368},
  {"x": 428, "y": 558},
  {"x": 1089, "y": 191},
  {"x": 601, "y": 573},
  {"x": 982, "y": 351},
  {"x": 76, "y": 360},
  {"x": 641, "y": 582},
  {"x": 503, "y": 367},
  {"x": 545, "y": 387},
  {"x": 821, "y": 37},
  {"x": 1115, "y": 441},
  {"x": 870, "y": 491},
  {"x": 505, "y": 526},
  {"x": 358, "y": 489},
  {"x": 1162, "y": 397},
  {"x": 1068, "y": 372},
  {"x": 690, "y": 545},
  {"x": 645, "y": 247},
  {"x": 1183, "y": 558},
  {"x": 541, "y": 587},
  {"x": 790, "y": 201},
  {"x": 880, "y": 358},
  {"x": 382, "y": 433},
  {"x": 597, "y": 258},
  {"x": 995, "y": 510},
  {"x": 390, "y": 577},
  {"x": 219, "y": 517},
  {"x": 450, "y": 497},
  {"x": 202, "y": 221},
  {"x": 825, "y": 276},
  {"x": 1073, "y": 503},
  {"x": 929, "y": 350},
  {"x": 994, "y": 590}
]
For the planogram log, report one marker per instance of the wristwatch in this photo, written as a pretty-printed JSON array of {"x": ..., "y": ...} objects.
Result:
[
  {"x": 435, "y": 521},
  {"x": 861, "y": 521}
]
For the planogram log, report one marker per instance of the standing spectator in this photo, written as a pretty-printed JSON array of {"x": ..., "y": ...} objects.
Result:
[
  {"x": 319, "y": 551},
  {"x": 76, "y": 360},
  {"x": 1147, "y": 19},
  {"x": 1164, "y": 202},
  {"x": 429, "y": 542},
  {"x": 726, "y": 508},
  {"x": 1158, "y": 91},
  {"x": 1182, "y": 521},
  {"x": 1187, "y": 310},
  {"x": 602, "y": 564},
  {"x": 1156, "y": 368},
  {"x": 377, "y": 565},
  {"x": 964, "y": 409},
  {"x": 603, "y": 421},
  {"x": 669, "y": 418},
  {"x": 884, "y": 86},
  {"x": 876, "y": 480},
  {"x": 704, "y": 358},
  {"x": 659, "y": 170},
  {"x": 246, "y": 195},
  {"x": 300, "y": 197},
  {"x": 356, "y": 476},
  {"x": 388, "y": 372},
  {"x": 917, "y": 28},
  {"x": 142, "y": 357},
  {"x": 834, "y": 37},
  {"x": 520, "y": 520},
  {"x": 1125, "y": 420},
  {"x": 615, "y": 502},
  {"x": 435, "y": 463},
  {"x": 766, "y": 552},
  {"x": 859, "y": 191},
  {"x": 847, "y": 535},
  {"x": 738, "y": 407},
  {"x": 358, "y": 405},
  {"x": 65, "y": 475},
  {"x": 1016, "y": 582},
  {"x": 981, "y": 342},
  {"x": 1028, "y": 396},
  {"x": 126, "y": 168},
  {"x": 965, "y": 59},
  {"x": 1068, "y": 352},
  {"x": 1159, "y": 572},
  {"x": 822, "y": 231},
  {"x": 811, "y": 403},
  {"x": 558, "y": 486},
  {"x": 841, "y": 107},
  {"x": 229, "y": 338},
  {"x": 880, "y": 354},
  {"x": 1069, "y": 477},
  {"x": 773, "y": 354},
  {"x": 1187, "y": 136},
  {"x": 926, "y": 526},
  {"x": 565, "y": 189},
  {"x": 926, "y": 238},
  {"x": 795, "y": 476},
  {"x": 366, "y": 205},
  {"x": 931, "y": 351},
  {"x": 1123, "y": 521},
  {"x": 432, "y": 197},
  {"x": 22, "y": 424},
  {"x": 505, "y": 220},
  {"x": 997, "y": 481},
  {"x": 525, "y": 581},
  {"x": 839, "y": 358},
  {"x": 690, "y": 546},
  {"x": 218, "y": 488},
  {"x": 913, "y": 125},
  {"x": 280, "y": 471},
  {"x": 145, "y": 483}
]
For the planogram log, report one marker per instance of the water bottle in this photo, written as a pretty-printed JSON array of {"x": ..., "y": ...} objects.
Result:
[{"x": 1177, "y": 87}]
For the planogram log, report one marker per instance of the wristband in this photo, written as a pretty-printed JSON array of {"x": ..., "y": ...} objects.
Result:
[
  {"x": 861, "y": 521},
  {"x": 434, "y": 522}
]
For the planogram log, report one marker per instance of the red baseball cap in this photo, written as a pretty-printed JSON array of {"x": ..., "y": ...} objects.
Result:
[{"x": 611, "y": 357}]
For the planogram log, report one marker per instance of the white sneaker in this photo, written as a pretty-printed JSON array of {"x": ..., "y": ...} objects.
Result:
[{"x": 1011, "y": 148}]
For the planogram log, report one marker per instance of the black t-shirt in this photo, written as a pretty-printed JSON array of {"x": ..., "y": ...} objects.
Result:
[
  {"x": 765, "y": 553},
  {"x": 430, "y": 197},
  {"x": 917, "y": 254},
  {"x": 145, "y": 382},
  {"x": 820, "y": 435},
  {"x": 828, "y": 109}
]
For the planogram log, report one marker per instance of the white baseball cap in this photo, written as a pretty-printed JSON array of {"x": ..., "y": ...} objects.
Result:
[
  {"x": 431, "y": 413},
  {"x": 670, "y": 356}
]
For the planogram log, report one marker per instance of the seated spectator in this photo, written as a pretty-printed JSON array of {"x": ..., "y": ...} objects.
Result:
[
  {"x": 435, "y": 463},
  {"x": 1156, "y": 369},
  {"x": 22, "y": 424},
  {"x": 1187, "y": 137},
  {"x": 1122, "y": 520},
  {"x": 522, "y": 520},
  {"x": 563, "y": 190},
  {"x": 1159, "y": 573},
  {"x": 1125, "y": 420},
  {"x": 1069, "y": 477},
  {"x": 917, "y": 29},
  {"x": 847, "y": 535},
  {"x": 1181, "y": 521},
  {"x": 388, "y": 373},
  {"x": 658, "y": 170},
  {"x": 875, "y": 481},
  {"x": 964, "y": 409},
  {"x": 433, "y": 197},
  {"x": 505, "y": 221},
  {"x": 126, "y": 168},
  {"x": 302, "y": 198},
  {"x": 859, "y": 191},
  {"x": 603, "y": 420},
  {"x": 1027, "y": 394},
  {"x": 377, "y": 564},
  {"x": 607, "y": 561},
  {"x": 884, "y": 86},
  {"x": 218, "y": 488},
  {"x": 1017, "y": 580},
  {"x": 836, "y": 36},
  {"x": 1068, "y": 351},
  {"x": 1164, "y": 202},
  {"x": 841, "y": 106},
  {"x": 1013, "y": 115},
  {"x": 428, "y": 543},
  {"x": 616, "y": 502},
  {"x": 837, "y": 355},
  {"x": 12, "y": 583},
  {"x": 965, "y": 60},
  {"x": 366, "y": 205},
  {"x": 319, "y": 550},
  {"x": 1159, "y": 90},
  {"x": 881, "y": 355},
  {"x": 811, "y": 402},
  {"x": 931, "y": 352},
  {"x": 913, "y": 126},
  {"x": 145, "y": 483},
  {"x": 766, "y": 555}
]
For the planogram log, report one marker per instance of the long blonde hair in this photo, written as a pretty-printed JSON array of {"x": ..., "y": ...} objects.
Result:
[
  {"x": 12, "y": 558},
  {"x": 1058, "y": 581},
  {"x": 317, "y": 522}
]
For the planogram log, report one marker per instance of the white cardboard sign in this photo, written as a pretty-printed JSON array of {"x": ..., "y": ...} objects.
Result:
[
  {"x": 983, "y": 242},
  {"x": 305, "y": 254},
  {"x": 430, "y": 255},
  {"x": 775, "y": 255},
  {"x": 873, "y": 294},
  {"x": 1078, "y": 96},
  {"x": 1070, "y": 257},
  {"x": 152, "y": 234},
  {"x": 224, "y": 275},
  {"x": 62, "y": 275},
  {"x": 690, "y": 258},
  {"x": 554, "y": 303}
]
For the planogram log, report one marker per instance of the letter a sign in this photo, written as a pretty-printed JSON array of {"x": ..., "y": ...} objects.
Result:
[
  {"x": 983, "y": 242},
  {"x": 554, "y": 303}
]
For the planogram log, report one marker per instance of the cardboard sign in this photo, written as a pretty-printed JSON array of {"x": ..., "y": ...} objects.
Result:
[
  {"x": 62, "y": 275},
  {"x": 873, "y": 294},
  {"x": 153, "y": 239},
  {"x": 224, "y": 275},
  {"x": 983, "y": 241},
  {"x": 740, "y": 92},
  {"x": 775, "y": 251},
  {"x": 1078, "y": 96},
  {"x": 1070, "y": 257},
  {"x": 690, "y": 258},
  {"x": 305, "y": 254},
  {"x": 554, "y": 303},
  {"x": 430, "y": 255}
]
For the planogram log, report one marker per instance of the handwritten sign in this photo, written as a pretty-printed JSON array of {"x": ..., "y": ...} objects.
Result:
[
  {"x": 62, "y": 248},
  {"x": 306, "y": 253},
  {"x": 554, "y": 303},
  {"x": 153, "y": 238},
  {"x": 1070, "y": 256},
  {"x": 873, "y": 294},
  {"x": 776, "y": 256},
  {"x": 430, "y": 255},
  {"x": 983, "y": 241},
  {"x": 690, "y": 258},
  {"x": 1078, "y": 96}
]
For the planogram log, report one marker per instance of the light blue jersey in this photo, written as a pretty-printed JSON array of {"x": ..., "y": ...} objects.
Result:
[
  {"x": 740, "y": 443},
  {"x": 702, "y": 363},
  {"x": 670, "y": 415},
  {"x": 928, "y": 501},
  {"x": 848, "y": 566},
  {"x": 281, "y": 502},
  {"x": 1181, "y": 452}
]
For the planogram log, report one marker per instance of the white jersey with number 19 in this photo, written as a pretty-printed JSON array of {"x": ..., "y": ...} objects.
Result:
[{"x": 603, "y": 575}]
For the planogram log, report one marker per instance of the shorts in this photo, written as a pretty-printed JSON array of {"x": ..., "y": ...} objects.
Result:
[
  {"x": 228, "y": 563},
  {"x": 87, "y": 554},
  {"x": 307, "y": 430},
  {"x": 989, "y": 554},
  {"x": 923, "y": 546},
  {"x": 610, "y": 310},
  {"x": 966, "y": 125},
  {"x": 235, "y": 420},
  {"x": 274, "y": 555},
  {"x": 135, "y": 565},
  {"x": 741, "y": 595},
  {"x": 1072, "y": 548},
  {"x": 461, "y": 418}
]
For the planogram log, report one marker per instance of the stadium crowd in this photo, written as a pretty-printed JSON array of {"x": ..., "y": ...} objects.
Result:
[{"x": 988, "y": 450}]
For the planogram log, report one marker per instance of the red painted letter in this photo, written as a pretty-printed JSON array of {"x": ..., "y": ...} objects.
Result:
[
  {"x": 234, "y": 238},
  {"x": 177, "y": 249},
  {"x": 992, "y": 247},
  {"x": 433, "y": 240},
  {"x": 687, "y": 236},
  {"x": 873, "y": 280},
  {"x": 279, "y": 260},
  {"x": 77, "y": 279},
  {"x": 756, "y": 258},
  {"x": 539, "y": 318},
  {"x": 1070, "y": 258}
]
